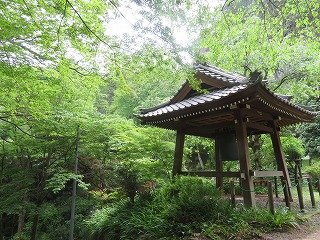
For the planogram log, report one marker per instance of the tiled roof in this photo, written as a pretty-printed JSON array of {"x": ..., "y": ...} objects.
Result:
[
  {"x": 302, "y": 108},
  {"x": 197, "y": 100},
  {"x": 220, "y": 74},
  {"x": 234, "y": 84}
]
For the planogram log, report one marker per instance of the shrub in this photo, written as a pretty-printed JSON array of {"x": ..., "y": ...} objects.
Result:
[
  {"x": 177, "y": 208},
  {"x": 314, "y": 170},
  {"x": 186, "y": 206}
]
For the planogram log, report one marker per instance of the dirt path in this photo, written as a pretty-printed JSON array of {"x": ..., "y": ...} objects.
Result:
[{"x": 310, "y": 230}]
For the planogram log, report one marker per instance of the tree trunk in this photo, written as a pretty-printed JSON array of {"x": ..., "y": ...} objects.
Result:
[
  {"x": 21, "y": 221},
  {"x": 200, "y": 161},
  {"x": 255, "y": 144},
  {"x": 1, "y": 226},
  {"x": 34, "y": 227}
]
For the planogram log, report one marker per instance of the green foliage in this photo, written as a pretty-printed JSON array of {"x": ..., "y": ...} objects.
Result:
[
  {"x": 279, "y": 38},
  {"x": 248, "y": 223},
  {"x": 186, "y": 206},
  {"x": 195, "y": 147},
  {"x": 293, "y": 148},
  {"x": 58, "y": 181},
  {"x": 283, "y": 219},
  {"x": 310, "y": 135},
  {"x": 167, "y": 212},
  {"x": 150, "y": 77},
  {"x": 52, "y": 216},
  {"x": 313, "y": 170},
  {"x": 39, "y": 32}
]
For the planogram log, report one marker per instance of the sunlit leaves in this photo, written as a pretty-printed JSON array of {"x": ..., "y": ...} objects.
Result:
[
  {"x": 145, "y": 78},
  {"x": 59, "y": 180},
  {"x": 35, "y": 31},
  {"x": 278, "y": 37}
]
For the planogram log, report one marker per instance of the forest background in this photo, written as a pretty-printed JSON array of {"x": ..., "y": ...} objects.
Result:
[{"x": 61, "y": 67}]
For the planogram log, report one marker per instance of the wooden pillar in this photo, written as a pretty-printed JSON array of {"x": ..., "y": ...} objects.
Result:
[
  {"x": 270, "y": 197},
  {"x": 219, "y": 163},
  {"x": 178, "y": 154},
  {"x": 281, "y": 162},
  {"x": 244, "y": 158}
]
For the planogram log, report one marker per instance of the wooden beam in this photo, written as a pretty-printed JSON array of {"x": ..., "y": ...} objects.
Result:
[
  {"x": 281, "y": 162},
  {"x": 218, "y": 113},
  {"x": 210, "y": 127},
  {"x": 178, "y": 154},
  {"x": 244, "y": 158},
  {"x": 212, "y": 174},
  {"x": 259, "y": 127},
  {"x": 182, "y": 93},
  {"x": 267, "y": 174},
  {"x": 207, "y": 130},
  {"x": 256, "y": 113},
  {"x": 211, "y": 81},
  {"x": 284, "y": 110}
]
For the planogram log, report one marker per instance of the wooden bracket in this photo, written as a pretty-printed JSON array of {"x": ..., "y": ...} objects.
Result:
[{"x": 233, "y": 106}]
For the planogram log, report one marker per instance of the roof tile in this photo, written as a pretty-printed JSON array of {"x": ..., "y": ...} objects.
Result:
[{"x": 217, "y": 94}]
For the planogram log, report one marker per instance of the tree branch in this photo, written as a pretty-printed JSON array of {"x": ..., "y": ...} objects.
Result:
[
  {"x": 60, "y": 24},
  {"x": 80, "y": 73},
  {"x": 35, "y": 22},
  {"x": 38, "y": 55},
  {"x": 86, "y": 25},
  {"x": 285, "y": 78},
  {"x": 227, "y": 3},
  {"x": 115, "y": 6},
  {"x": 23, "y": 131}
]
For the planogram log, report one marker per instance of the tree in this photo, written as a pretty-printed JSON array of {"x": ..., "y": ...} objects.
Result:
[
  {"x": 145, "y": 78},
  {"x": 37, "y": 132},
  {"x": 310, "y": 133},
  {"x": 278, "y": 37}
]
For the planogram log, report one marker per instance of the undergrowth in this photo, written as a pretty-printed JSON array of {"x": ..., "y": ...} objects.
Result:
[{"x": 183, "y": 208}]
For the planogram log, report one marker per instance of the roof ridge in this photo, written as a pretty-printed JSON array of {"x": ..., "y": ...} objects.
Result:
[{"x": 219, "y": 71}]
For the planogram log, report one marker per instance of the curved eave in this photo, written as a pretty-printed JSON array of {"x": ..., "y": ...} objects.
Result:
[
  {"x": 282, "y": 107},
  {"x": 195, "y": 105},
  {"x": 214, "y": 109}
]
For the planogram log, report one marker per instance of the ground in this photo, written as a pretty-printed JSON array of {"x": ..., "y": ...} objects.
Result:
[{"x": 309, "y": 230}]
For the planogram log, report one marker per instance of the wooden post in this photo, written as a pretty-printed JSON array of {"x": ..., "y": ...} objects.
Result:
[
  {"x": 219, "y": 163},
  {"x": 276, "y": 187},
  {"x": 313, "y": 202},
  {"x": 300, "y": 196},
  {"x": 281, "y": 163},
  {"x": 178, "y": 154},
  {"x": 233, "y": 194},
  {"x": 286, "y": 194},
  {"x": 270, "y": 197},
  {"x": 244, "y": 158}
]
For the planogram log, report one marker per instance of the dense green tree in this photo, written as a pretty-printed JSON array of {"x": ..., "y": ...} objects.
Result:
[
  {"x": 279, "y": 38},
  {"x": 310, "y": 134},
  {"x": 146, "y": 78}
]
